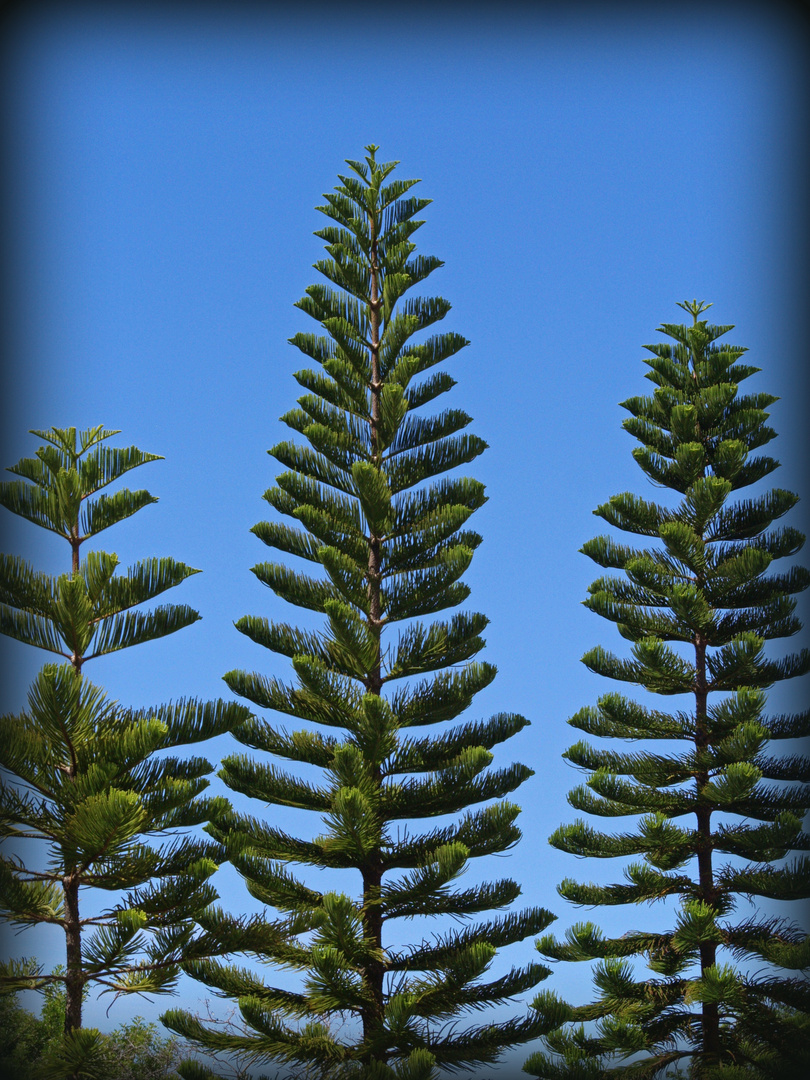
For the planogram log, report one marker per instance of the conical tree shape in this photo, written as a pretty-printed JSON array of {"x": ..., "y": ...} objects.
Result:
[
  {"x": 85, "y": 778},
  {"x": 385, "y": 531},
  {"x": 718, "y": 816}
]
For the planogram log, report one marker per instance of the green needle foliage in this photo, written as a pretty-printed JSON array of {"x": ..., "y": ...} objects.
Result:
[
  {"x": 31, "y": 1047},
  {"x": 84, "y": 774},
  {"x": 718, "y": 816},
  {"x": 384, "y": 529}
]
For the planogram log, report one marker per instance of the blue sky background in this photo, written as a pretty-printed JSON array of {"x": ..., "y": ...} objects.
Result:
[{"x": 589, "y": 165}]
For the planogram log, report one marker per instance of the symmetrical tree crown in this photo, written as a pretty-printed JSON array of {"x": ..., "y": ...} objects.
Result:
[
  {"x": 717, "y": 814},
  {"x": 385, "y": 531}
]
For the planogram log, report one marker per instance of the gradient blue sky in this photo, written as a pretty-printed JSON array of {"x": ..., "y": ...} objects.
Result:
[{"x": 589, "y": 165}]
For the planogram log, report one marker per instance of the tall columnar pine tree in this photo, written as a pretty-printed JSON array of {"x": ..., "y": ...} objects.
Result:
[
  {"x": 374, "y": 511},
  {"x": 85, "y": 778},
  {"x": 720, "y": 816}
]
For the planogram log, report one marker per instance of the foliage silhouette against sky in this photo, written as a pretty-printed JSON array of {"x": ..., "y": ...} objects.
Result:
[{"x": 588, "y": 169}]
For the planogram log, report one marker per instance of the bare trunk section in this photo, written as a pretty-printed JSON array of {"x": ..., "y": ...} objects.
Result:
[
  {"x": 74, "y": 547},
  {"x": 74, "y": 981},
  {"x": 373, "y": 1016}
]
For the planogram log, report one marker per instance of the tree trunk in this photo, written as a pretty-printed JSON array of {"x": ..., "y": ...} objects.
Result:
[
  {"x": 74, "y": 981},
  {"x": 708, "y": 892},
  {"x": 373, "y": 975}
]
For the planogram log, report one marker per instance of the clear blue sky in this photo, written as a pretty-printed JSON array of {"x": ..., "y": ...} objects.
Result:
[{"x": 590, "y": 165}]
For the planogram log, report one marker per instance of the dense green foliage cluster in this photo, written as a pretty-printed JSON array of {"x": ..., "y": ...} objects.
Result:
[
  {"x": 718, "y": 816},
  {"x": 385, "y": 532},
  {"x": 87, "y": 778},
  {"x": 31, "y": 1048}
]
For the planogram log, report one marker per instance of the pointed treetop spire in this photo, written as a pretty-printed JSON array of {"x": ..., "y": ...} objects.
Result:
[{"x": 694, "y": 307}]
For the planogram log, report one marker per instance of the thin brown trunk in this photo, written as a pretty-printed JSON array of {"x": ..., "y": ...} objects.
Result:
[
  {"x": 373, "y": 1015},
  {"x": 74, "y": 546},
  {"x": 710, "y": 1016},
  {"x": 708, "y": 892},
  {"x": 374, "y": 972},
  {"x": 374, "y": 680},
  {"x": 75, "y": 542},
  {"x": 74, "y": 981}
]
